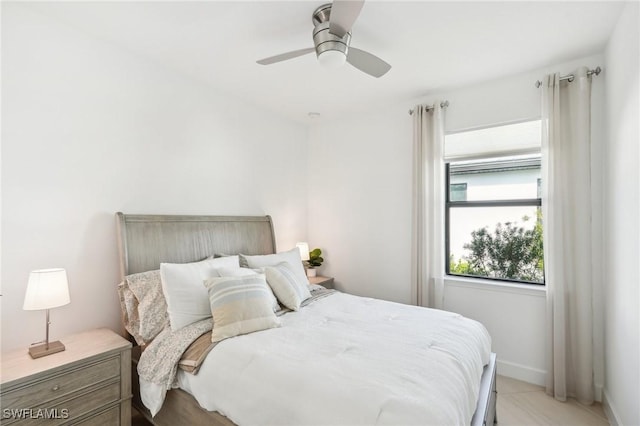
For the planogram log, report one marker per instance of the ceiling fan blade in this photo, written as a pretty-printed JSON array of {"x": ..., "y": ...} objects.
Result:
[
  {"x": 343, "y": 14},
  {"x": 368, "y": 63},
  {"x": 284, "y": 56}
]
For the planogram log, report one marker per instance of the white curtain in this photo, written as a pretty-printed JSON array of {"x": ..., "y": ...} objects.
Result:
[
  {"x": 566, "y": 207},
  {"x": 427, "y": 266}
]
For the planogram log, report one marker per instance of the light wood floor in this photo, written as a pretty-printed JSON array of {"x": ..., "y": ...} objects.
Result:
[{"x": 521, "y": 404}]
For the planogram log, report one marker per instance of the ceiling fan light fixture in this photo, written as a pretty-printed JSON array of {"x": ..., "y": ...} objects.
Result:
[
  {"x": 332, "y": 23},
  {"x": 331, "y": 50},
  {"x": 332, "y": 58}
]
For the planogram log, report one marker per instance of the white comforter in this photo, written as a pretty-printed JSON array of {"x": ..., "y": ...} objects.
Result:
[{"x": 345, "y": 360}]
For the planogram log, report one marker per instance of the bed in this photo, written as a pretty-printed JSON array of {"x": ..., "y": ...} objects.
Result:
[{"x": 146, "y": 241}]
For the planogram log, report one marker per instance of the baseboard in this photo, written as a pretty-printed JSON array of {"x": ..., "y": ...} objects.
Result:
[
  {"x": 521, "y": 372},
  {"x": 535, "y": 376},
  {"x": 609, "y": 409}
]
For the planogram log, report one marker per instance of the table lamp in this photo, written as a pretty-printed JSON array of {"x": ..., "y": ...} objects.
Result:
[
  {"x": 47, "y": 288},
  {"x": 304, "y": 251}
]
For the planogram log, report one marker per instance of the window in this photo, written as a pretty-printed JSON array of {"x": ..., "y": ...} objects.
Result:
[{"x": 493, "y": 217}]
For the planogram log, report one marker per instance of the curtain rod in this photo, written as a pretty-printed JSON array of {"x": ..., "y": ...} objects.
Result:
[
  {"x": 570, "y": 77},
  {"x": 443, "y": 104}
]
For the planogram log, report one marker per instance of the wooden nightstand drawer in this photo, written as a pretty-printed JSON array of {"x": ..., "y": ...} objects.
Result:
[
  {"x": 106, "y": 418},
  {"x": 62, "y": 385},
  {"x": 66, "y": 410},
  {"x": 87, "y": 383}
]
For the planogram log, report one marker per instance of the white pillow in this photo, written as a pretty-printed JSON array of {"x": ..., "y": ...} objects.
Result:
[
  {"x": 287, "y": 287},
  {"x": 236, "y": 272},
  {"x": 239, "y": 305},
  {"x": 245, "y": 272},
  {"x": 182, "y": 285},
  {"x": 292, "y": 257}
]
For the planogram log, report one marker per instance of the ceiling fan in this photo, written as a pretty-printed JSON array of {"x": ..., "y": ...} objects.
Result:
[{"x": 332, "y": 37}]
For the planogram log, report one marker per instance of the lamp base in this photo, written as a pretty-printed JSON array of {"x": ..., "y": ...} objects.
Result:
[{"x": 41, "y": 350}]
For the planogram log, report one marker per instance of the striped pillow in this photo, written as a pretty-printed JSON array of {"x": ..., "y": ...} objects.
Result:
[
  {"x": 241, "y": 272},
  {"x": 240, "y": 305},
  {"x": 289, "y": 290}
]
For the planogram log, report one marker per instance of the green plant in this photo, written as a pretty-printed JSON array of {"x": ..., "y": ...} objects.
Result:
[
  {"x": 315, "y": 258},
  {"x": 460, "y": 267},
  {"x": 509, "y": 251}
]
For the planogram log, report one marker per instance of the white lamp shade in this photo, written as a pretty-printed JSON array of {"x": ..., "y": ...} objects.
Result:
[
  {"x": 304, "y": 250},
  {"x": 47, "y": 288}
]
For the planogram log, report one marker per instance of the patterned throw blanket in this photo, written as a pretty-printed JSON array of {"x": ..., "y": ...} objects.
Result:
[{"x": 159, "y": 361}]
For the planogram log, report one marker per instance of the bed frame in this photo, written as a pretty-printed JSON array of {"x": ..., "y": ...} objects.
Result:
[{"x": 145, "y": 241}]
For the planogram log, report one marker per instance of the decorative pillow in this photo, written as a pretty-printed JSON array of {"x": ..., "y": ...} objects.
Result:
[
  {"x": 240, "y": 305},
  {"x": 243, "y": 272},
  {"x": 129, "y": 307},
  {"x": 292, "y": 257},
  {"x": 286, "y": 285},
  {"x": 152, "y": 307},
  {"x": 187, "y": 299}
]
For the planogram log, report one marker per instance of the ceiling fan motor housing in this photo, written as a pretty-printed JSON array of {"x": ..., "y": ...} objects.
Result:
[{"x": 323, "y": 40}]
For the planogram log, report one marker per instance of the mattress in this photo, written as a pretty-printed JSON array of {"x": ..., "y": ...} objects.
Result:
[{"x": 344, "y": 360}]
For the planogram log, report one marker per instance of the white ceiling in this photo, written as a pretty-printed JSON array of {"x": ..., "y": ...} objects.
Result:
[{"x": 431, "y": 45}]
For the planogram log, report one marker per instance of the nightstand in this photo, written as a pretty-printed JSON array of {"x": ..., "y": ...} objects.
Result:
[
  {"x": 323, "y": 281},
  {"x": 89, "y": 383}
]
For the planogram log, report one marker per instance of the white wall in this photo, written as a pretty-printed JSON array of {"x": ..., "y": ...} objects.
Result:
[
  {"x": 359, "y": 202},
  {"x": 88, "y": 130},
  {"x": 360, "y": 211},
  {"x": 621, "y": 214}
]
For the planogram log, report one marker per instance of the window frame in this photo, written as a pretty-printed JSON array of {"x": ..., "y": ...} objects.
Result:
[{"x": 536, "y": 202}]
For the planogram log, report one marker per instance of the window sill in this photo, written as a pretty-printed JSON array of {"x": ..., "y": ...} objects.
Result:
[{"x": 497, "y": 286}]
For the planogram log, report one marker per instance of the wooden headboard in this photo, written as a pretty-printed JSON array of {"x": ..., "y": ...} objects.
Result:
[{"x": 145, "y": 241}]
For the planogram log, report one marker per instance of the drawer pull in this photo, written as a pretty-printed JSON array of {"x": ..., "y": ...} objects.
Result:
[{"x": 55, "y": 388}]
